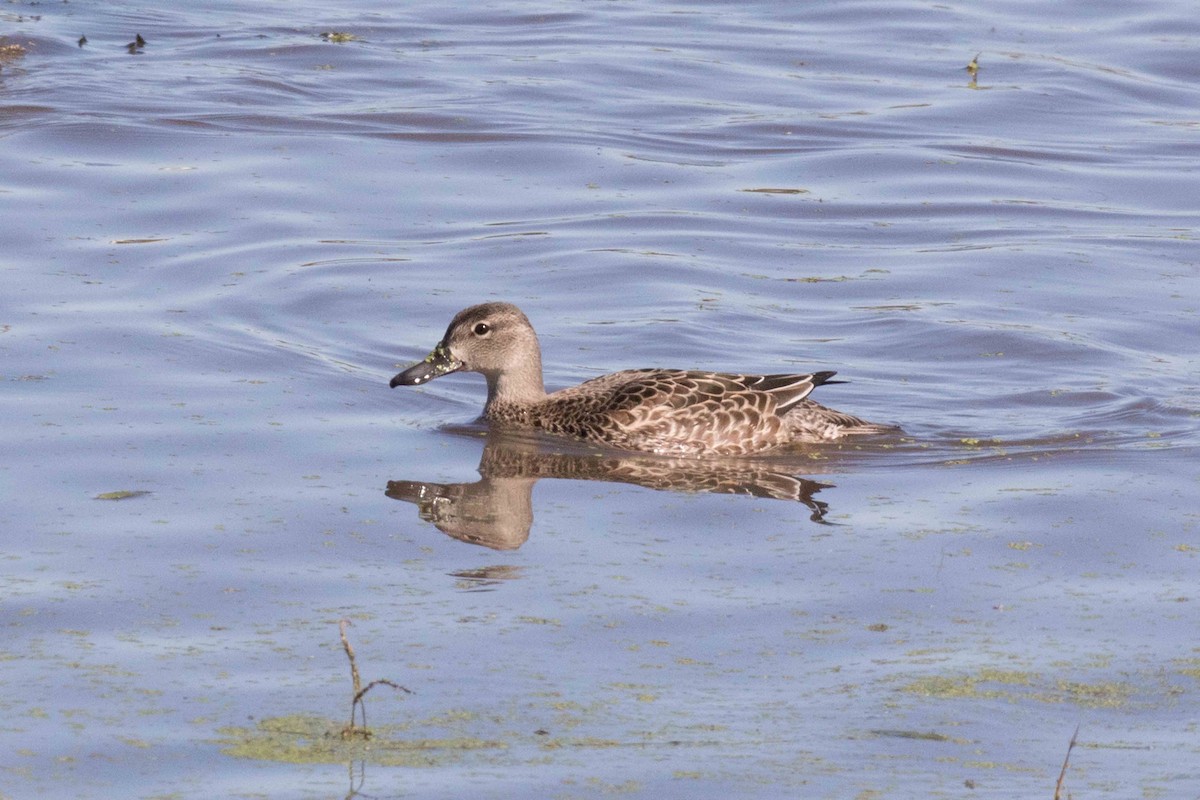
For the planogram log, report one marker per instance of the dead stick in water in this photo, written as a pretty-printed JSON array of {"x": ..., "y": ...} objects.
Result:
[
  {"x": 353, "y": 673},
  {"x": 1066, "y": 760},
  {"x": 356, "y": 703}
]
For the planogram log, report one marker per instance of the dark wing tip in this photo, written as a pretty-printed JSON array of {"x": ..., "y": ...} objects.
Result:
[{"x": 823, "y": 378}]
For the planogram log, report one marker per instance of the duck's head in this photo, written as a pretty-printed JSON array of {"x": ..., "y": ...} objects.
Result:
[{"x": 494, "y": 339}]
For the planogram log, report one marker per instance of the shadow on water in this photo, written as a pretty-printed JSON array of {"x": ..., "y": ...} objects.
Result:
[{"x": 497, "y": 510}]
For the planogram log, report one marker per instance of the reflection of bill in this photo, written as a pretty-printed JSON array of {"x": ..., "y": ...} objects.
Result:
[{"x": 497, "y": 510}]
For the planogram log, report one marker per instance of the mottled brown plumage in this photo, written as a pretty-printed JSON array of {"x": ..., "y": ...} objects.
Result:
[{"x": 670, "y": 412}]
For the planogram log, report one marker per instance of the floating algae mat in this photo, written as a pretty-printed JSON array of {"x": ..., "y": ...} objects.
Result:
[{"x": 301, "y": 739}]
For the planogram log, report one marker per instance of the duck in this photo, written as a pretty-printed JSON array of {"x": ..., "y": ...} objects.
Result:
[{"x": 670, "y": 412}]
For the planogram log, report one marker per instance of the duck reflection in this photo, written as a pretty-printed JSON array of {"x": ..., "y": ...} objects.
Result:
[{"x": 497, "y": 510}]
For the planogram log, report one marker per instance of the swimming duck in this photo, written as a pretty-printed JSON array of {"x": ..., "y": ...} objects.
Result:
[{"x": 663, "y": 411}]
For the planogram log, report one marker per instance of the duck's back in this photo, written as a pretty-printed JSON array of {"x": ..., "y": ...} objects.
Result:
[{"x": 673, "y": 412}]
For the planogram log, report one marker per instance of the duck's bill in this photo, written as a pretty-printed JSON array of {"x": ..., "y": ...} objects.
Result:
[{"x": 435, "y": 365}]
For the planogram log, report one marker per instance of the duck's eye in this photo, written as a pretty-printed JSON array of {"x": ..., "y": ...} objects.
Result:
[{"x": 483, "y": 329}]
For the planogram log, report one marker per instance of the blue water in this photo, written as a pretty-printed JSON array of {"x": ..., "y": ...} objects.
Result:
[{"x": 215, "y": 251}]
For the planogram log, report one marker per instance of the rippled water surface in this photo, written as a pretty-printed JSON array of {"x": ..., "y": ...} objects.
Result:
[{"x": 217, "y": 245}]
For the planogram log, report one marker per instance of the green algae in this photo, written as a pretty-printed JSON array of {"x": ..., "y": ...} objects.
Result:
[
  {"x": 304, "y": 739},
  {"x": 1188, "y": 666},
  {"x": 1019, "y": 685},
  {"x": 123, "y": 494}
]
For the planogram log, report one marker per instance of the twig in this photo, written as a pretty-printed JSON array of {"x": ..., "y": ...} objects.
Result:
[
  {"x": 357, "y": 706},
  {"x": 358, "y": 697},
  {"x": 342, "y": 625},
  {"x": 1066, "y": 760}
]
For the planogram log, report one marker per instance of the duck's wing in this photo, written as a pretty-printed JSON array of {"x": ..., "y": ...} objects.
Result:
[
  {"x": 650, "y": 393},
  {"x": 682, "y": 412},
  {"x": 788, "y": 390}
]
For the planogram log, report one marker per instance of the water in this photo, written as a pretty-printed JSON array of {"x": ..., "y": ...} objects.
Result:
[{"x": 217, "y": 248}]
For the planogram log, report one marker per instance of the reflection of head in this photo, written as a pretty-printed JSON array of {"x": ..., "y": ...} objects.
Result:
[{"x": 492, "y": 513}]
